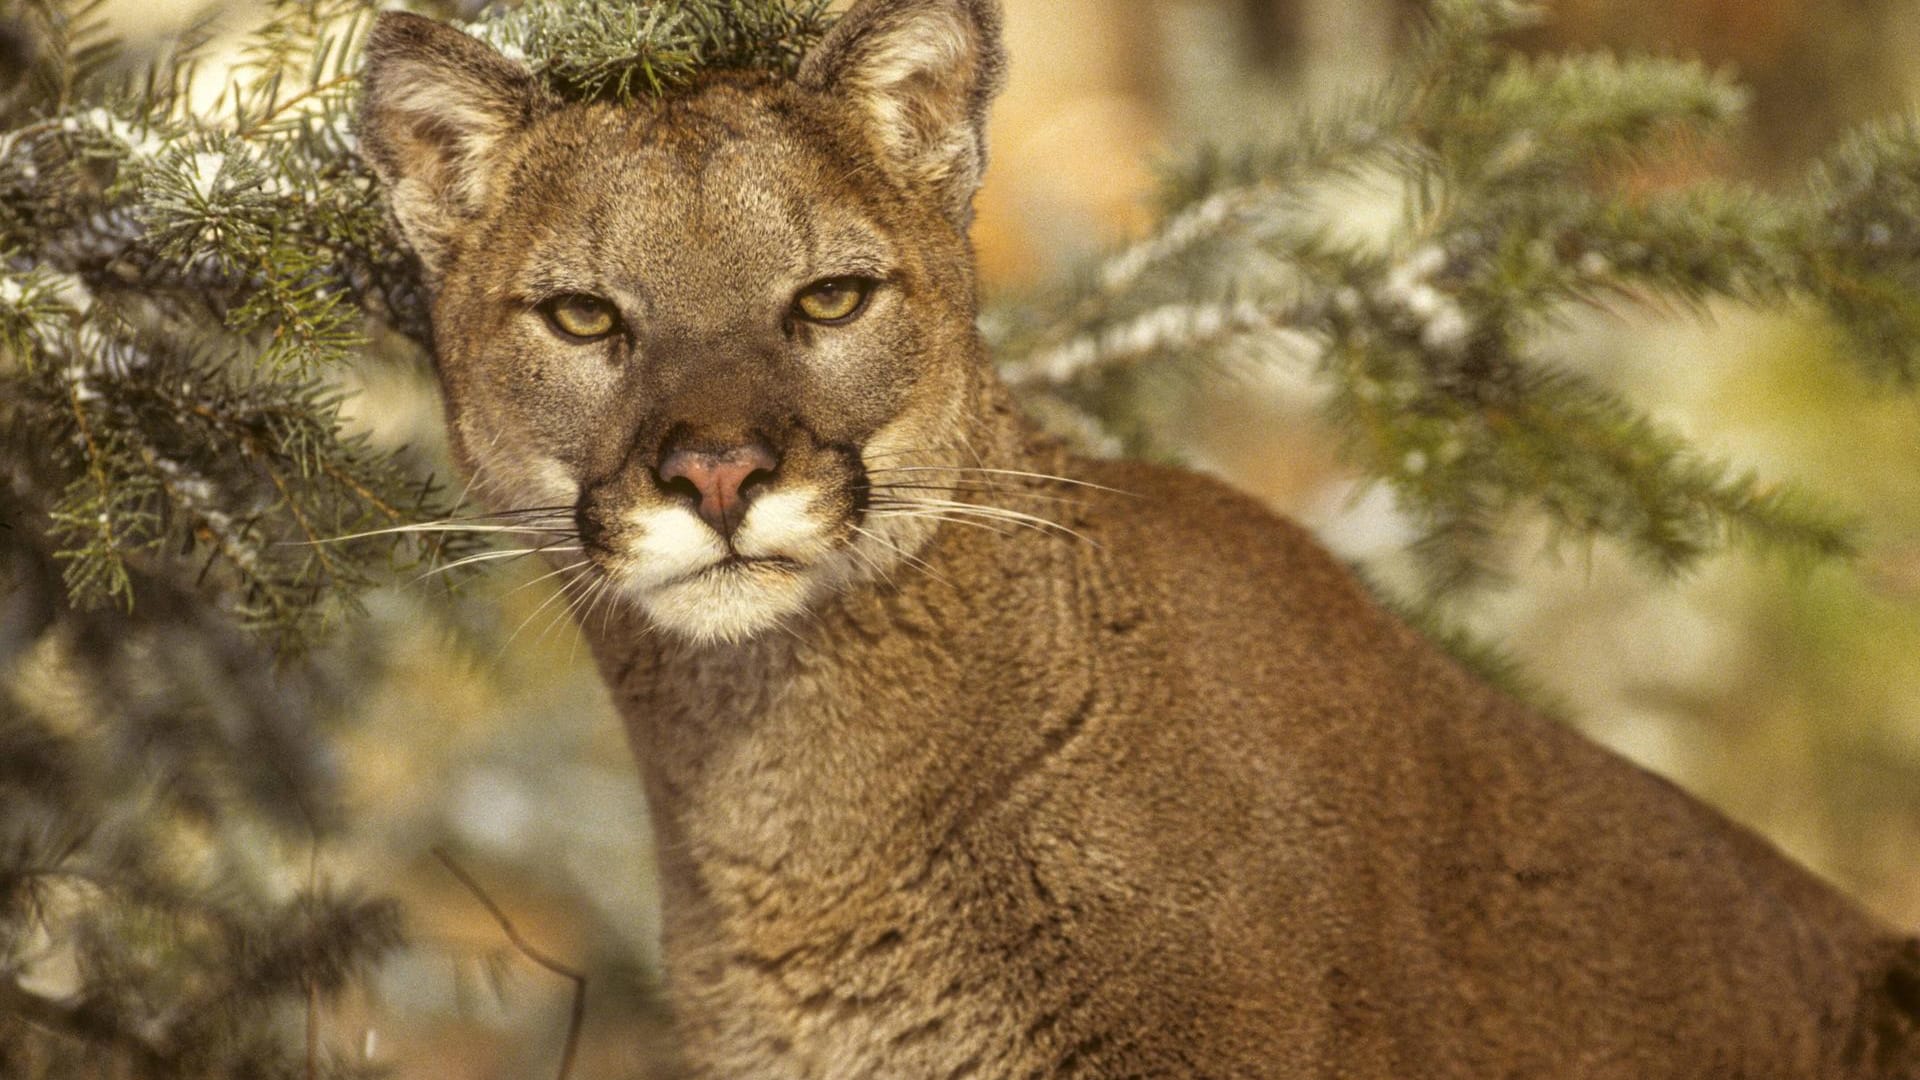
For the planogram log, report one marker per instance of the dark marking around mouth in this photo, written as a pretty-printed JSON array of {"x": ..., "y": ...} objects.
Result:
[
  {"x": 592, "y": 531},
  {"x": 859, "y": 485},
  {"x": 771, "y": 562},
  {"x": 738, "y": 564}
]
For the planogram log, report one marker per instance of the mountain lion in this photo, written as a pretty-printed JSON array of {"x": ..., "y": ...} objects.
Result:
[{"x": 1151, "y": 788}]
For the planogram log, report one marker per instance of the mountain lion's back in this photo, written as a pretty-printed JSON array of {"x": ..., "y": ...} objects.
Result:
[{"x": 1462, "y": 884}]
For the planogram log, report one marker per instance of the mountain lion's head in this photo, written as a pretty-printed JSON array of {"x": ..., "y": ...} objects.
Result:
[{"x": 720, "y": 325}]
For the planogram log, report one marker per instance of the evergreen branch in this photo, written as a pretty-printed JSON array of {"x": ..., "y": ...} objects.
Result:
[
  {"x": 260, "y": 124},
  {"x": 618, "y": 50},
  {"x": 1196, "y": 224},
  {"x": 1704, "y": 242},
  {"x": 576, "y": 1018},
  {"x": 1460, "y": 49},
  {"x": 1539, "y": 119},
  {"x": 88, "y": 1026},
  {"x": 1514, "y": 209},
  {"x": 1590, "y": 463},
  {"x": 29, "y": 303},
  {"x": 1866, "y": 267},
  {"x": 118, "y": 584},
  {"x": 1349, "y": 138},
  {"x": 1171, "y": 328}
]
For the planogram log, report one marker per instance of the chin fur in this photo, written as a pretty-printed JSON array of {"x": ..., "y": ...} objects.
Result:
[{"x": 728, "y": 604}]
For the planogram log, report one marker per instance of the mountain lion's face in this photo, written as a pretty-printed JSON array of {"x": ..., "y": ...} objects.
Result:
[
  {"x": 703, "y": 329},
  {"x": 714, "y": 325}
]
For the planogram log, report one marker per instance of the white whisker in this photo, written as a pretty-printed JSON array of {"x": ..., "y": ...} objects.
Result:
[
  {"x": 990, "y": 513},
  {"x": 929, "y": 515},
  {"x": 439, "y": 527},
  {"x": 905, "y": 556},
  {"x": 871, "y": 563},
  {"x": 1044, "y": 477},
  {"x": 964, "y": 486},
  {"x": 548, "y": 576},
  {"x": 494, "y": 556},
  {"x": 566, "y": 610},
  {"x": 580, "y": 624},
  {"x": 980, "y": 509},
  {"x": 607, "y": 591},
  {"x": 557, "y": 594}
]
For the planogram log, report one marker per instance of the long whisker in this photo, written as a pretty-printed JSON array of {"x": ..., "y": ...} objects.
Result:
[
  {"x": 929, "y": 515},
  {"x": 1000, "y": 513},
  {"x": 965, "y": 512},
  {"x": 870, "y": 562},
  {"x": 518, "y": 512},
  {"x": 557, "y": 510},
  {"x": 601, "y": 590},
  {"x": 548, "y": 576},
  {"x": 548, "y": 602},
  {"x": 607, "y": 592},
  {"x": 580, "y": 588},
  {"x": 587, "y": 597},
  {"x": 977, "y": 485},
  {"x": 491, "y": 556},
  {"x": 440, "y": 527},
  {"x": 905, "y": 556},
  {"x": 1044, "y": 477}
]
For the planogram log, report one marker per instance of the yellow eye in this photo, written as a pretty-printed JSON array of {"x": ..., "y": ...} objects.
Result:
[
  {"x": 581, "y": 316},
  {"x": 835, "y": 300}
]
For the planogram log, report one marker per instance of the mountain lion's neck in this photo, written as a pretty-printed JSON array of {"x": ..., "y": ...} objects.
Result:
[{"x": 806, "y": 745}]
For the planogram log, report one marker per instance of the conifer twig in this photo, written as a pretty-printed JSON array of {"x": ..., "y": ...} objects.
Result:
[
  {"x": 578, "y": 1015},
  {"x": 259, "y": 124},
  {"x": 79, "y": 1023}
]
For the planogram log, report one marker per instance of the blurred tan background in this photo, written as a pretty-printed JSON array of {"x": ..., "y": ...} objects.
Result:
[{"x": 1789, "y": 698}]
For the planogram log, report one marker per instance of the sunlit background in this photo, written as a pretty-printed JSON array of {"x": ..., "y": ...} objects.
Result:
[{"x": 1790, "y": 698}]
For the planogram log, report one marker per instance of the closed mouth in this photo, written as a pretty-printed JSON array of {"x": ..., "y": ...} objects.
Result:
[{"x": 741, "y": 564}]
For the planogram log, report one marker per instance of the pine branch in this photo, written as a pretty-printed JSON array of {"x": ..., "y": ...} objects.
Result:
[
  {"x": 576, "y": 1017},
  {"x": 618, "y": 50},
  {"x": 1515, "y": 211},
  {"x": 81, "y": 1023},
  {"x": 1865, "y": 262},
  {"x": 1540, "y": 119}
]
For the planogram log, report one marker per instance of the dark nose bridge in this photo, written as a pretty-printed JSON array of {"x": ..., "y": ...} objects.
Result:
[
  {"x": 717, "y": 377},
  {"x": 712, "y": 445}
]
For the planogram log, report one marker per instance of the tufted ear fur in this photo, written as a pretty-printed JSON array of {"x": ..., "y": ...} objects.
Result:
[
  {"x": 436, "y": 104},
  {"x": 923, "y": 73}
]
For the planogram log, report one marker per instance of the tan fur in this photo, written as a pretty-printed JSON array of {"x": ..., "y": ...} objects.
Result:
[{"x": 1160, "y": 792}]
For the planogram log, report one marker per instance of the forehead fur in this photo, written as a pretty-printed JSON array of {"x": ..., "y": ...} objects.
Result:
[{"x": 745, "y": 182}]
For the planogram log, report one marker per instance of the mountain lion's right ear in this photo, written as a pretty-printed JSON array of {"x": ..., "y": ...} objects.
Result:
[
  {"x": 436, "y": 103},
  {"x": 923, "y": 73}
]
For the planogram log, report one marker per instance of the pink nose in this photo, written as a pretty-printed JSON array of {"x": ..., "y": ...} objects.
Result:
[{"x": 721, "y": 483}]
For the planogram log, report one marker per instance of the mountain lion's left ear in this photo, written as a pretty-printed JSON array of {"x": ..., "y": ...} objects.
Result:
[{"x": 923, "y": 72}]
